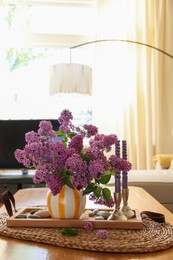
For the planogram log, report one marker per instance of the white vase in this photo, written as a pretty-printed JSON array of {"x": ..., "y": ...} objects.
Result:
[{"x": 68, "y": 204}]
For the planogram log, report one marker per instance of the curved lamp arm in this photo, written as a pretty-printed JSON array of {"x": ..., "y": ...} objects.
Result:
[
  {"x": 59, "y": 82},
  {"x": 119, "y": 40}
]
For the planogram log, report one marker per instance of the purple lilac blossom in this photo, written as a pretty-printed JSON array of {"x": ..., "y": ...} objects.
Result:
[
  {"x": 89, "y": 226},
  {"x": 76, "y": 143},
  {"x": 102, "y": 201},
  {"x": 41, "y": 172},
  {"x": 96, "y": 169},
  {"x": 94, "y": 153},
  {"x": 91, "y": 130},
  {"x": 65, "y": 116},
  {"x": 103, "y": 142},
  {"x": 31, "y": 137},
  {"x": 108, "y": 141},
  {"x": 80, "y": 181},
  {"x": 65, "y": 121},
  {"x": 54, "y": 183},
  {"x": 102, "y": 233},
  {"x": 22, "y": 158},
  {"x": 46, "y": 129},
  {"x": 97, "y": 142},
  {"x": 119, "y": 164},
  {"x": 76, "y": 165},
  {"x": 80, "y": 131},
  {"x": 53, "y": 155}
]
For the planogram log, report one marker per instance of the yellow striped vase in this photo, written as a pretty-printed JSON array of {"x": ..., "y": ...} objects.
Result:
[{"x": 68, "y": 204}]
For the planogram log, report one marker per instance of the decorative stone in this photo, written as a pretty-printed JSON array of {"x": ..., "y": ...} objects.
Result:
[
  {"x": 105, "y": 214},
  {"x": 95, "y": 211},
  {"x": 33, "y": 216},
  {"x": 99, "y": 218},
  {"x": 21, "y": 216},
  {"x": 117, "y": 215},
  {"x": 128, "y": 212},
  {"x": 91, "y": 213},
  {"x": 33, "y": 211},
  {"x": 85, "y": 215},
  {"x": 42, "y": 214}
]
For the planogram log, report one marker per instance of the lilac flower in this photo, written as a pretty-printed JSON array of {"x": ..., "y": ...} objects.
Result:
[
  {"x": 60, "y": 158},
  {"x": 97, "y": 142},
  {"x": 65, "y": 128},
  {"x": 54, "y": 183},
  {"x": 102, "y": 233},
  {"x": 31, "y": 137},
  {"x": 76, "y": 165},
  {"x": 89, "y": 226},
  {"x": 41, "y": 173},
  {"x": 96, "y": 169},
  {"x": 103, "y": 142},
  {"x": 65, "y": 116},
  {"x": 45, "y": 129},
  {"x": 94, "y": 153},
  {"x": 101, "y": 201},
  {"x": 65, "y": 121},
  {"x": 108, "y": 141},
  {"x": 119, "y": 164},
  {"x": 21, "y": 158},
  {"x": 76, "y": 143},
  {"x": 91, "y": 130}
]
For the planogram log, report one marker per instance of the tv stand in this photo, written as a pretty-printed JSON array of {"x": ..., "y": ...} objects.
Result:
[{"x": 13, "y": 180}]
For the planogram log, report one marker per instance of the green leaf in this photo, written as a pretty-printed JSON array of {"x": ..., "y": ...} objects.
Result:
[
  {"x": 69, "y": 232},
  {"x": 85, "y": 157},
  {"x": 97, "y": 192},
  {"x": 106, "y": 194},
  {"x": 70, "y": 185},
  {"x": 63, "y": 172},
  {"x": 67, "y": 181},
  {"x": 105, "y": 178},
  {"x": 90, "y": 188},
  {"x": 60, "y": 133},
  {"x": 71, "y": 134},
  {"x": 65, "y": 140}
]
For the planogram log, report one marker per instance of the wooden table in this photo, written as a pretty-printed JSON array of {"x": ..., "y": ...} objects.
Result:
[{"x": 13, "y": 249}]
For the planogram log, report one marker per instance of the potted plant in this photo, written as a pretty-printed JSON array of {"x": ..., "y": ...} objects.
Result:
[{"x": 63, "y": 159}]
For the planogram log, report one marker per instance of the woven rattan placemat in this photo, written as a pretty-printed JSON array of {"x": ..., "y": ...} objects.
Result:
[{"x": 154, "y": 237}]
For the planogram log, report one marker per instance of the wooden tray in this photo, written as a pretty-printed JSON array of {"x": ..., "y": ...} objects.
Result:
[{"x": 133, "y": 223}]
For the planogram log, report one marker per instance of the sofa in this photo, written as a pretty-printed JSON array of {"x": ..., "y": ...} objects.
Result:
[{"x": 159, "y": 183}]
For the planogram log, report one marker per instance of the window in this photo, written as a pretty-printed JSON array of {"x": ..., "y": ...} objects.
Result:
[{"x": 33, "y": 38}]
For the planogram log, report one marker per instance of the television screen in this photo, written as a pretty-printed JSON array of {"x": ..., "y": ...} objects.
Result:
[{"x": 12, "y": 137}]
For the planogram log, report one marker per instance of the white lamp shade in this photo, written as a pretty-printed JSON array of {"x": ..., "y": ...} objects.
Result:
[{"x": 70, "y": 78}]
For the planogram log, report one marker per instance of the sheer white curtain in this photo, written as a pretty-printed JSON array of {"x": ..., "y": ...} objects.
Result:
[{"x": 133, "y": 85}]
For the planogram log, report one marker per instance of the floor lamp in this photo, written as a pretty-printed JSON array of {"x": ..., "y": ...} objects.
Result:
[
  {"x": 81, "y": 76},
  {"x": 77, "y": 78}
]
